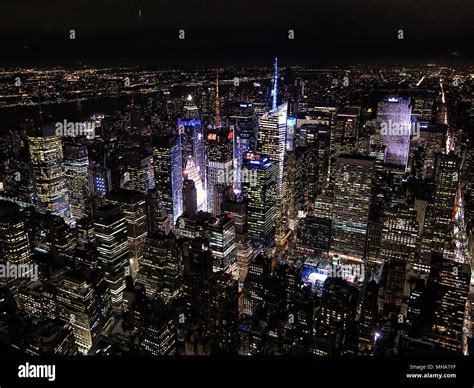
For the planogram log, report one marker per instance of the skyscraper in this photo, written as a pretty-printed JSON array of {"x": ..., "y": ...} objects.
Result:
[
  {"x": 14, "y": 240},
  {"x": 46, "y": 152},
  {"x": 352, "y": 201},
  {"x": 169, "y": 174},
  {"x": 219, "y": 147},
  {"x": 394, "y": 119},
  {"x": 272, "y": 138},
  {"x": 162, "y": 267},
  {"x": 132, "y": 204},
  {"x": 192, "y": 138},
  {"x": 261, "y": 195},
  {"x": 222, "y": 244},
  {"x": 76, "y": 163},
  {"x": 84, "y": 302},
  {"x": 112, "y": 247}
]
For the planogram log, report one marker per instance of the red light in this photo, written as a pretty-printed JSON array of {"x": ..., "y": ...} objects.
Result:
[
  {"x": 212, "y": 136},
  {"x": 349, "y": 120},
  {"x": 230, "y": 136}
]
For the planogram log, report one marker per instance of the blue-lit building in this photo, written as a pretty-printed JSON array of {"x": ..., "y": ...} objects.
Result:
[
  {"x": 192, "y": 139},
  {"x": 100, "y": 180}
]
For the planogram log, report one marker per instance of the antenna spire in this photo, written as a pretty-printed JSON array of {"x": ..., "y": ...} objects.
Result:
[
  {"x": 275, "y": 86},
  {"x": 218, "y": 113}
]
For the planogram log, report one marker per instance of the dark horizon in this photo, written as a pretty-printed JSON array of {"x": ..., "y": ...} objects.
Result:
[{"x": 133, "y": 32}]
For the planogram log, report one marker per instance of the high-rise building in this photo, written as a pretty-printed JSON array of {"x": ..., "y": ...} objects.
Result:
[
  {"x": 335, "y": 317},
  {"x": 393, "y": 285},
  {"x": 46, "y": 153},
  {"x": 156, "y": 327},
  {"x": 110, "y": 226},
  {"x": 223, "y": 314},
  {"x": 38, "y": 300},
  {"x": 158, "y": 220},
  {"x": 272, "y": 139},
  {"x": 162, "y": 269},
  {"x": 394, "y": 119},
  {"x": 76, "y": 163},
  {"x": 84, "y": 302},
  {"x": 139, "y": 173},
  {"x": 198, "y": 269},
  {"x": 169, "y": 174},
  {"x": 133, "y": 207},
  {"x": 447, "y": 292},
  {"x": 346, "y": 127},
  {"x": 400, "y": 233},
  {"x": 14, "y": 240},
  {"x": 261, "y": 195},
  {"x": 192, "y": 139},
  {"x": 222, "y": 244},
  {"x": 438, "y": 226},
  {"x": 255, "y": 284},
  {"x": 352, "y": 201},
  {"x": 243, "y": 247},
  {"x": 243, "y": 123},
  {"x": 220, "y": 161},
  {"x": 313, "y": 235}
]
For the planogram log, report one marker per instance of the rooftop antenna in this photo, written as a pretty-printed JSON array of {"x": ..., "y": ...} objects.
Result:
[
  {"x": 218, "y": 113},
  {"x": 40, "y": 111},
  {"x": 275, "y": 86}
]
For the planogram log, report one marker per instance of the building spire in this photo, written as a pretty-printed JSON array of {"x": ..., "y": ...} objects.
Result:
[
  {"x": 218, "y": 113},
  {"x": 275, "y": 86},
  {"x": 40, "y": 110}
]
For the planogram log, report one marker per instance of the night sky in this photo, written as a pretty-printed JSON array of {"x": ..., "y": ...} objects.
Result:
[{"x": 223, "y": 32}]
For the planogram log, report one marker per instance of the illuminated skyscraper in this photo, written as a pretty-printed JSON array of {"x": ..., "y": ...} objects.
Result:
[
  {"x": 254, "y": 287},
  {"x": 139, "y": 171},
  {"x": 38, "y": 300},
  {"x": 84, "y": 302},
  {"x": 46, "y": 152},
  {"x": 243, "y": 122},
  {"x": 169, "y": 174},
  {"x": 219, "y": 146},
  {"x": 222, "y": 244},
  {"x": 394, "y": 120},
  {"x": 447, "y": 292},
  {"x": 113, "y": 250},
  {"x": 192, "y": 139},
  {"x": 76, "y": 163},
  {"x": 132, "y": 205},
  {"x": 243, "y": 247},
  {"x": 272, "y": 138},
  {"x": 438, "y": 227},
  {"x": 352, "y": 201},
  {"x": 162, "y": 268},
  {"x": 14, "y": 241},
  {"x": 261, "y": 194},
  {"x": 400, "y": 234}
]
